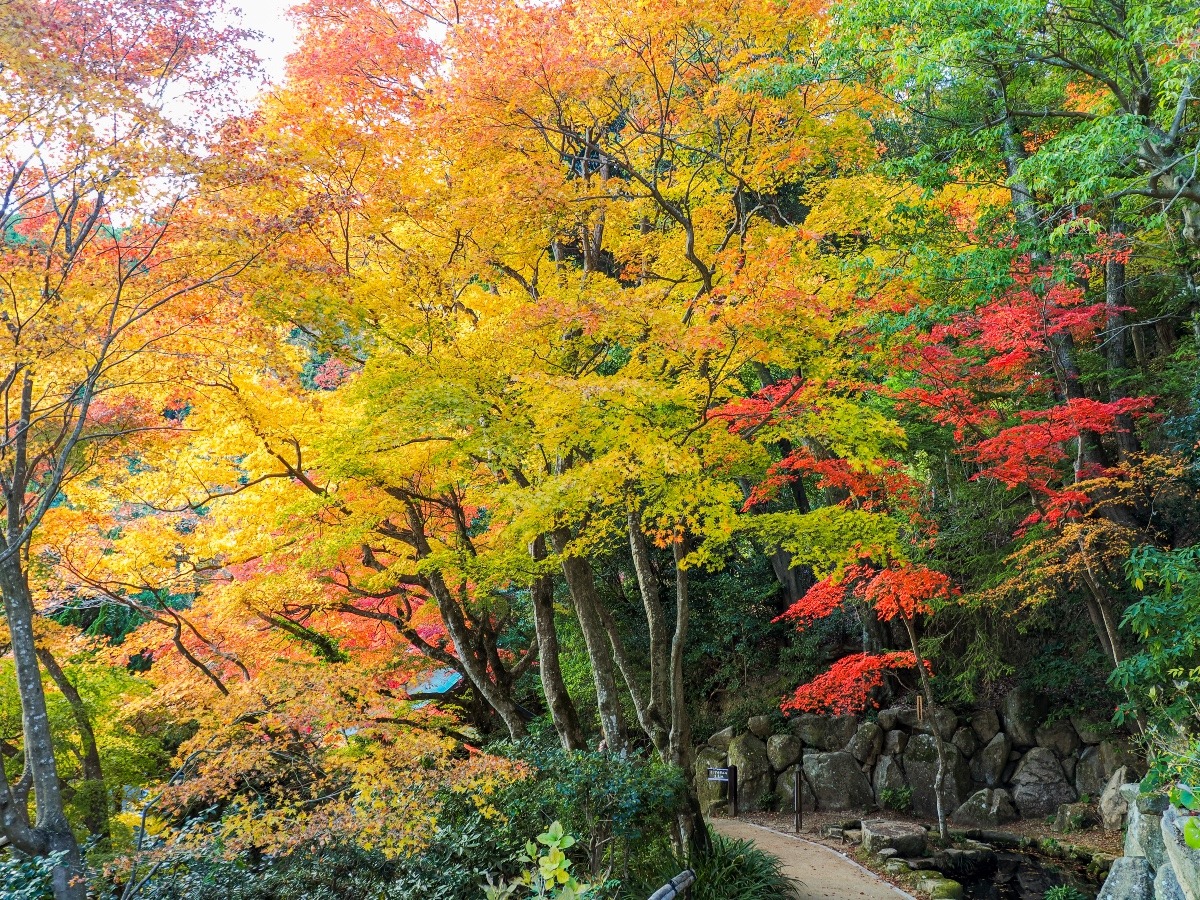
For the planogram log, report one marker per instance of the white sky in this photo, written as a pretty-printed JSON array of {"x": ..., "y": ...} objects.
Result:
[{"x": 279, "y": 35}]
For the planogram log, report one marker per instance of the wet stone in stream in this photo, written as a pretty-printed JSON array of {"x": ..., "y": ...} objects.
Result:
[{"x": 1020, "y": 876}]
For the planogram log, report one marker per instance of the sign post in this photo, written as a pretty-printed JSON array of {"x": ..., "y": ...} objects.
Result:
[
  {"x": 729, "y": 776},
  {"x": 797, "y": 800}
]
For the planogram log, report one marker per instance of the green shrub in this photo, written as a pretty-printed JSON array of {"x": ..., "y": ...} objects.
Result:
[
  {"x": 1063, "y": 892},
  {"x": 731, "y": 869},
  {"x": 899, "y": 799},
  {"x": 26, "y": 877}
]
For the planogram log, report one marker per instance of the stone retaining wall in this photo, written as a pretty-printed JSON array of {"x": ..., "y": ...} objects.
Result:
[{"x": 1004, "y": 763}]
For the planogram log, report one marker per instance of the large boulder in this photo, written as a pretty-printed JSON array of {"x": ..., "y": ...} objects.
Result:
[
  {"x": 906, "y": 838},
  {"x": 782, "y": 751},
  {"x": 1143, "y": 830},
  {"x": 888, "y": 776},
  {"x": 966, "y": 741},
  {"x": 837, "y": 781},
  {"x": 866, "y": 743},
  {"x": 921, "y": 765},
  {"x": 986, "y": 724},
  {"x": 785, "y": 790},
  {"x": 985, "y": 809},
  {"x": 1128, "y": 879},
  {"x": 988, "y": 764},
  {"x": 759, "y": 726},
  {"x": 721, "y": 739},
  {"x": 1058, "y": 736},
  {"x": 1023, "y": 712},
  {"x": 1184, "y": 860},
  {"x": 1090, "y": 731},
  {"x": 1113, "y": 803},
  {"x": 749, "y": 754},
  {"x": 944, "y": 720},
  {"x": 894, "y": 742},
  {"x": 1073, "y": 817},
  {"x": 713, "y": 795},
  {"x": 1039, "y": 785},
  {"x": 824, "y": 732},
  {"x": 1089, "y": 773},
  {"x": 1167, "y": 886},
  {"x": 890, "y": 718},
  {"x": 1116, "y": 752}
]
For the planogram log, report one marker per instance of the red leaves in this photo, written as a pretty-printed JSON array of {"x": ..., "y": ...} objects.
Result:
[
  {"x": 846, "y": 688},
  {"x": 904, "y": 591}
]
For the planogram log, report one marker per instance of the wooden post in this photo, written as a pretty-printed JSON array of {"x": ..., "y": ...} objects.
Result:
[
  {"x": 798, "y": 803},
  {"x": 733, "y": 790}
]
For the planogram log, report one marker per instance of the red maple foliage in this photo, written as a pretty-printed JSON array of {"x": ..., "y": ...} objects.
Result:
[{"x": 846, "y": 688}]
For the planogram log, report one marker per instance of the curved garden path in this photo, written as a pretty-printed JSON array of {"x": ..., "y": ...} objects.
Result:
[{"x": 823, "y": 873}]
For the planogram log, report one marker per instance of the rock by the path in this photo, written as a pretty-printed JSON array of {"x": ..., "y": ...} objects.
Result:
[
  {"x": 1167, "y": 886},
  {"x": 782, "y": 751},
  {"x": 1143, "y": 829},
  {"x": 966, "y": 741},
  {"x": 1039, "y": 785},
  {"x": 936, "y": 885},
  {"x": 749, "y": 754},
  {"x": 988, "y": 764},
  {"x": 1089, "y": 730},
  {"x": 905, "y": 838},
  {"x": 1114, "y": 806},
  {"x": 1023, "y": 712},
  {"x": 1116, "y": 753},
  {"x": 721, "y": 739},
  {"x": 1089, "y": 773},
  {"x": 1128, "y": 879},
  {"x": 920, "y": 767},
  {"x": 1072, "y": 817},
  {"x": 759, "y": 726},
  {"x": 894, "y": 742},
  {"x": 785, "y": 790},
  {"x": 837, "y": 781},
  {"x": 986, "y": 724},
  {"x": 711, "y": 794},
  {"x": 826, "y": 733},
  {"x": 1058, "y": 736},
  {"x": 1184, "y": 860},
  {"x": 989, "y": 808},
  {"x": 866, "y": 743}
]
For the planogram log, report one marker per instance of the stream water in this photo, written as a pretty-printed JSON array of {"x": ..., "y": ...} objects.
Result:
[{"x": 1022, "y": 876}]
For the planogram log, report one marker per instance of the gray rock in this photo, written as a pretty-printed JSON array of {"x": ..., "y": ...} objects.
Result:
[
  {"x": 1117, "y": 752},
  {"x": 824, "y": 732},
  {"x": 1023, "y": 712},
  {"x": 760, "y": 727},
  {"x": 1068, "y": 765},
  {"x": 905, "y": 838},
  {"x": 944, "y": 720},
  {"x": 782, "y": 751},
  {"x": 1143, "y": 830},
  {"x": 1089, "y": 730},
  {"x": 889, "y": 776},
  {"x": 721, "y": 739},
  {"x": 1039, "y": 785},
  {"x": 985, "y": 809},
  {"x": 1113, "y": 805},
  {"x": 1089, "y": 773},
  {"x": 1184, "y": 860},
  {"x": 1058, "y": 736},
  {"x": 966, "y": 741},
  {"x": 1128, "y": 879},
  {"x": 1166, "y": 885},
  {"x": 921, "y": 765},
  {"x": 785, "y": 790},
  {"x": 986, "y": 724},
  {"x": 936, "y": 885},
  {"x": 749, "y": 754},
  {"x": 713, "y": 795},
  {"x": 837, "y": 781},
  {"x": 894, "y": 742},
  {"x": 866, "y": 743},
  {"x": 889, "y": 719},
  {"x": 987, "y": 766},
  {"x": 1072, "y": 817}
]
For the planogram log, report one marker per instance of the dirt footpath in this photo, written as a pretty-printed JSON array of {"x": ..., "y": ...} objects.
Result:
[{"x": 824, "y": 874}]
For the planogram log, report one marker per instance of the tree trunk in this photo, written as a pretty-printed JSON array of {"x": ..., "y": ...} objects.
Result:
[
  {"x": 581, "y": 581},
  {"x": 691, "y": 820},
  {"x": 1114, "y": 303},
  {"x": 96, "y": 796},
  {"x": 656, "y": 620},
  {"x": 940, "y": 779},
  {"x": 562, "y": 709},
  {"x": 51, "y": 832}
]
